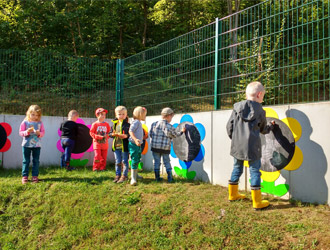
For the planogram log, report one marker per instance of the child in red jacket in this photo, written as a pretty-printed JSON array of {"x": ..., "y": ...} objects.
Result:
[{"x": 100, "y": 134}]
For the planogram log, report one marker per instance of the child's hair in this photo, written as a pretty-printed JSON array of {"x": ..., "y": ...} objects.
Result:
[
  {"x": 120, "y": 108},
  {"x": 72, "y": 113},
  {"x": 254, "y": 88},
  {"x": 139, "y": 112},
  {"x": 33, "y": 108},
  {"x": 166, "y": 112}
]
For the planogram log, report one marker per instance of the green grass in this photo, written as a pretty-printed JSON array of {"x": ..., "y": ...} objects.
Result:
[{"x": 86, "y": 210}]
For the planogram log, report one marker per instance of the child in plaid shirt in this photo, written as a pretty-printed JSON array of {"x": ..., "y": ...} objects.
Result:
[{"x": 161, "y": 134}]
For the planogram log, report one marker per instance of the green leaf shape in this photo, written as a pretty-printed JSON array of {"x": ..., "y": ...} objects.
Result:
[
  {"x": 270, "y": 188},
  {"x": 140, "y": 165},
  {"x": 184, "y": 173},
  {"x": 78, "y": 162},
  {"x": 178, "y": 171},
  {"x": 191, "y": 175}
]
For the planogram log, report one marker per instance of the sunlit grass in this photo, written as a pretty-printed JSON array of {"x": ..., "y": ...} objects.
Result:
[{"x": 86, "y": 210}]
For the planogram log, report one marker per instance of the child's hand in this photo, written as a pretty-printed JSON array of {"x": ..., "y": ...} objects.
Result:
[
  {"x": 272, "y": 125},
  {"x": 122, "y": 136},
  {"x": 183, "y": 129},
  {"x": 30, "y": 129},
  {"x": 137, "y": 142},
  {"x": 38, "y": 132}
]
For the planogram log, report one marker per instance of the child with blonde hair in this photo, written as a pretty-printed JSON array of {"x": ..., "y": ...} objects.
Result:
[
  {"x": 31, "y": 129},
  {"x": 100, "y": 133},
  {"x": 135, "y": 140},
  {"x": 120, "y": 134},
  {"x": 247, "y": 121},
  {"x": 69, "y": 130}
]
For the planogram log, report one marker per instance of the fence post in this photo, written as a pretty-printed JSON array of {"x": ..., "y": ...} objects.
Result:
[
  {"x": 216, "y": 57},
  {"x": 119, "y": 81}
]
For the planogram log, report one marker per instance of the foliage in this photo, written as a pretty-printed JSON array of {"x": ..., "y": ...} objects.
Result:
[
  {"x": 259, "y": 63},
  {"x": 86, "y": 210},
  {"x": 284, "y": 44},
  {"x": 103, "y": 28}
]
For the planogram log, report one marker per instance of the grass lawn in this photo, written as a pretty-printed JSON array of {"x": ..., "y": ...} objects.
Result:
[{"x": 86, "y": 210}]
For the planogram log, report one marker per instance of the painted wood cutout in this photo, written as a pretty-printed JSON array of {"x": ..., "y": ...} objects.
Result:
[
  {"x": 278, "y": 147},
  {"x": 83, "y": 140},
  {"x": 187, "y": 146},
  {"x": 5, "y": 131}
]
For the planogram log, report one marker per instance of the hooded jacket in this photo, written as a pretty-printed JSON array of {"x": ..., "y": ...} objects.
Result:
[{"x": 245, "y": 124}]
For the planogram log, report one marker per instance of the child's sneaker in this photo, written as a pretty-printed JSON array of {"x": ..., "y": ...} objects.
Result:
[
  {"x": 68, "y": 168},
  {"x": 122, "y": 179},
  {"x": 117, "y": 178},
  {"x": 35, "y": 179},
  {"x": 25, "y": 180}
]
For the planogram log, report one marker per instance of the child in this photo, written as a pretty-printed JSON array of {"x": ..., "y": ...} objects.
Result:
[
  {"x": 69, "y": 130},
  {"x": 100, "y": 134},
  {"x": 120, "y": 143},
  {"x": 161, "y": 134},
  {"x": 31, "y": 129},
  {"x": 135, "y": 140},
  {"x": 247, "y": 121}
]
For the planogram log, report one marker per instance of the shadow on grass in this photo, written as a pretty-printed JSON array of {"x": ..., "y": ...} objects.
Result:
[
  {"x": 86, "y": 175},
  {"x": 91, "y": 180},
  {"x": 280, "y": 206}
]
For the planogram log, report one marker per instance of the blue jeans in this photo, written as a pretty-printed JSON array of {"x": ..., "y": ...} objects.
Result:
[
  {"x": 135, "y": 152},
  {"x": 166, "y": 160},
  {"x": 254, "y": 172},
  {"x": 27, "y": 158},
  {"x": 67, "y": 145},
  {"x": 120, "y": 157}
]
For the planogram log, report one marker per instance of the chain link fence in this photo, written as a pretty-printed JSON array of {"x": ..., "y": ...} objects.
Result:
[
  {"x": 55, "y": 82},
  {"x": 283, "y": 44}
]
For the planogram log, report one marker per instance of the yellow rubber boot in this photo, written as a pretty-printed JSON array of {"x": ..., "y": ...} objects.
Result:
[
  {"x": 258, "y": 204},
  {"x": 233, "y": 193}
]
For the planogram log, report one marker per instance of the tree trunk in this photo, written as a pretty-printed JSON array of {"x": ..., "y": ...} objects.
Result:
[
  {"x": 121, "y": 41},
  {"x": 145, "y": 14},
  {"x": 73, "y": 39},
  {"x": 80, "y": 36},
  {"x": 233, "y": 27}
]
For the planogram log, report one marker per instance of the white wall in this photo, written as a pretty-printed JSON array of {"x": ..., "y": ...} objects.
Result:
[
  {"x": 309, "y": 183},
  {"x": 49, "y": 155}
]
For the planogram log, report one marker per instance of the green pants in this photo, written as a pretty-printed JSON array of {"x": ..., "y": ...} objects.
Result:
[{"x": 135, "y": 152}]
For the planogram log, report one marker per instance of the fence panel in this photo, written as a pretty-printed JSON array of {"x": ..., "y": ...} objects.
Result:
[
  {"x": 178, "y": 73},
  {"x": 55, "y": 82},
  {"x": 283, "y": 44}
]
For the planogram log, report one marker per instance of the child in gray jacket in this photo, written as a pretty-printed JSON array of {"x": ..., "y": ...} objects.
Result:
[{"x": 246, "y": 122}]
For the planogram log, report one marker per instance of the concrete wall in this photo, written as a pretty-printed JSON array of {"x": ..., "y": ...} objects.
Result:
[
  {"x": 309, "y": 183},
  {"x": 49, "y": 155}
]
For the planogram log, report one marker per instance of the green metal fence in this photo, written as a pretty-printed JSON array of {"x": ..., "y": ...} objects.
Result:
[
  {"x": 55, "y": 82},
  {"x": 283, "y": 44},
  {"x": 178, "y": 73}
]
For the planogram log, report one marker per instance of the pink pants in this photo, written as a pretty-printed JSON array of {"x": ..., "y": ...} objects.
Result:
[{"x": 100, "y": 159}]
